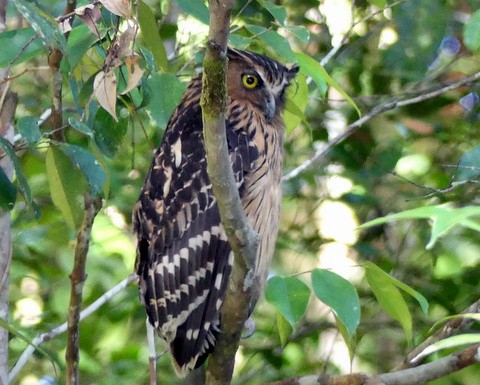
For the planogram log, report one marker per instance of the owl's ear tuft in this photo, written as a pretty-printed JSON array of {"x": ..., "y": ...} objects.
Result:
[{"x": 292, "y": 70}]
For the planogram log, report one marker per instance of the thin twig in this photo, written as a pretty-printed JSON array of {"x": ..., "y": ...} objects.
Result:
[
  {"x": 326, "y": 59},
  {"x": 386, "y": 106},
  {"x": 77, "y": 278},
  {"x": 47, "y": 336}
]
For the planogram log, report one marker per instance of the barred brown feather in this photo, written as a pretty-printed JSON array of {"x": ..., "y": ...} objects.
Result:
[{"x": 183, "y": 256}]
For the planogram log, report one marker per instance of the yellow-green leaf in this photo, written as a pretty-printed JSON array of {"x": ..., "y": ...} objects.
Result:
[{"x": 66, "y": 186}]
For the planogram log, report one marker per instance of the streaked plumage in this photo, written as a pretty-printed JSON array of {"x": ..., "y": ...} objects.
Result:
[{"x": 183, "y": 256}]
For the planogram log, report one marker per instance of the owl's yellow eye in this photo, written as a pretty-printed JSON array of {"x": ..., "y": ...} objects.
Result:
[{"x": 250, "y": 81}]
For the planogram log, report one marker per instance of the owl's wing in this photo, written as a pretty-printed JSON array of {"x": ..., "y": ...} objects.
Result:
[{"x": 183, "y": 256}]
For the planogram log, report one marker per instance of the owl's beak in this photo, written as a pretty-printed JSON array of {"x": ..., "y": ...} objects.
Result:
[{"x": 270, "y": 108}]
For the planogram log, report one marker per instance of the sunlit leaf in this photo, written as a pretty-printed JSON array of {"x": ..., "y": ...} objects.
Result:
[
  {"x": 120, "y": 8},
  {"x": 449, "y": 343},
  {"x": 105, "y": 90},
  {"x": 86, "y": 162},
  {"x": 29, "y": 129},
  {"x": 196, "y": 8},
  {"x": 378, "y": 3},
  {"x": 66, "y": 187},
  {"x": 284, "y": 328},
  {"x": 422, "y": 301},
  {"x": 338, "y": 294},
  {"x": 389, "y": 297},
  {"x": 44, "y": 25},
  {"x": 444, "y": 218},
  {"x": 150, "y": 35},
  {"x": 289, "y": 295},
  {"x": 312, "y": 68},
  {"x": 297, "y": 97},
  {"x": 471, "y": 32}
]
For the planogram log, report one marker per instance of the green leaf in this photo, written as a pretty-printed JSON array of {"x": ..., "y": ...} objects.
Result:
[
  {"x": 284, "y": 328},
  {"x": 389, "y": 297},
  {"x": 151, "y": 36},
  {"x": 22, "y": 181},
  {"x": 20, "y": 45},
  {"x": 444, "y": 218},
  {"x": 449, "y": 343},
  {"x": 474, "y": 316},
  {"x": 66, "y": 187},
  {"x": 422, "y": 301},
  {"x": 87, "y": 163},
  {"x": 289, "y": 295},
  {"x": 340, "y": 295},
  {"x": 278, "y": 12},
  {"x": 300, "y": 32},
  {"x": 312, "y": 68},
  {"x": 296, "y": 102},
  {"x": 471, "y": 32},
  {"x": 166, "y": 91},
  {"x": 43, "y": 24},
  {"x": 80, "y": 127},
  {"x": 80, "y": 40},
  {"x": 108, "y": 134},
  {"x": 239, "y": 41},
  {"x": 273, "y": 40},
  {"x": 469, "y": 165},
  {"x": 196, "y": 8},
  {"x": 29, "y": 129},
  {"x": 8, "y": 192},
  {"x": 378, "y": 3},
  {"x": 18, "y": 333}
]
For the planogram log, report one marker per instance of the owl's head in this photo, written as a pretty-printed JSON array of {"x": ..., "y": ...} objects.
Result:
[{"x": 259, "y": 80}]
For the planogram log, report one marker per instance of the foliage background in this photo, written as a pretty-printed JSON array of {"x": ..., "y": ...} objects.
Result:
[{"x": 388, "y": 166}]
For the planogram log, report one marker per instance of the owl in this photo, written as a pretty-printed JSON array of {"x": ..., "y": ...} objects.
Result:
[{"x": 183, "y": 256}]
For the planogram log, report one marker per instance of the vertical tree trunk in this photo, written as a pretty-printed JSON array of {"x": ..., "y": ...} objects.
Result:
[
  {"x": 8, "y": 103},
  {"x": 7, "y": 109}
]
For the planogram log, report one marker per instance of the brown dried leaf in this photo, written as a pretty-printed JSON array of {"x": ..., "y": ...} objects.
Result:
[
  {"x": 65, "y": 24},
  {"x": 125, "y": 41},
  {"x": 120, "y": 8},
  {"x": 134, "y": 71},
  {"x": 90, "y": 14},
  {"x": 105, "y": 90}
]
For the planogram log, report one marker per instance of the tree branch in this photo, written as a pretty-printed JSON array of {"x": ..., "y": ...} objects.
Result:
[
  {"x": 54, "y": 60},
  {"x": 411, "y": 376},
  {"x": 77, "y": 278},
  {"x": 47, "y": 336},
  {"x": 243, "y": 240},
  {"x": 386, "y": 106}
]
